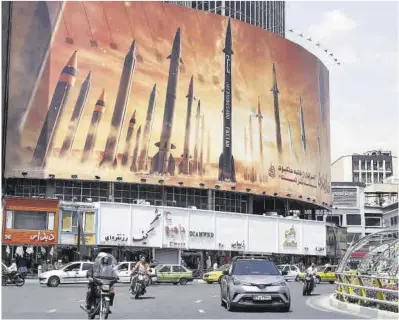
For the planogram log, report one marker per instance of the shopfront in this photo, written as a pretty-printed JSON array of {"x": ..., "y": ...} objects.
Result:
[
  {"x": 30, "y": 231},
  {"x": 78, "y": 224}
]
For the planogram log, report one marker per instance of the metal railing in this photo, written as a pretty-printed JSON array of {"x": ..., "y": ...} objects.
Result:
[{"x": 370, "y": 291}]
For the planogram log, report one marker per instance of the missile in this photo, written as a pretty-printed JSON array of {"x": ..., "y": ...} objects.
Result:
[
  {"x": 275, "y": 91},
  {"x": 290, "y": 141},
  {"x": 226, "y": 161},
  {"x": 201, "y": 162},
  {"x": 56, "y": 109},
  {"x": 246, "y": 174},
  {"x": 208, "y": 153},
  {"x": 197, "y": 133},
  {"x": 259, "y": 115},
  {"x": 130, "y": 131},
  {"x": 318, "y": 140},
  {"x": 322, "y": 94},
  {"x": 122, "y": 100},
  {"x": 134, "y": 167},
  {"x": 95, "y": 120},
  {"x": 143, "y": 158},
  {"x": 252, "y": 176},
  {"x": 163, "y": 161},
  {"x": 185, "y": 165},
  {"x": 76, "y": 114},
  {"x": 302, "y": 124}
]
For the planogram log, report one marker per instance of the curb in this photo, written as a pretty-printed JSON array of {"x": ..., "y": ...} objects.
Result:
[{"x": 360, "y": 310}]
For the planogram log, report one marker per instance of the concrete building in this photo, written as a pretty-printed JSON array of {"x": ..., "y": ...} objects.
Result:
[
  {"x": 269, "y": 15},
  {"x": 370, "y": 167}
]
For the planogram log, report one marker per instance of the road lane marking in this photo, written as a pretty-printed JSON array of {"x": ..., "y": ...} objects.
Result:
[
  {"x": 201, "y": 311},
  {"x": 214, "y": 296},
  {"x": 51, "y": 311},
  {"x": 198, "y": 301}
]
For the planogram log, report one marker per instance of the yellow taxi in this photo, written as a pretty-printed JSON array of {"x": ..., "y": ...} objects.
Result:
[
  {"x": 326, "y": 275},
  {"x": 216, "y": 275}
]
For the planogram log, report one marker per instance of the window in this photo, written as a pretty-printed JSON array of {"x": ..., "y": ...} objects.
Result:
[
  {"x": 353, "y": 237},
  {"x": 334, "y": 219},
  {"x": 388, "y": 166},
  {"x": 87, "y": 266},
  {"x": 89, "y": 222},
  {"x": 373, "y": 222},
  {"x": 123, "y": 267},
  {"x": 293, "y": 268},
  {"x": 30, "y": 220},
  {"x": 72, "y": 267},
  {"x": 165, "y": 269},
  {"x": 176, "y": 269},
  {"x": 66, "y": 221},
  {"x": 353, "y": 219}
]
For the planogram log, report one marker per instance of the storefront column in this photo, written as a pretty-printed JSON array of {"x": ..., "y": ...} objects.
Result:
[
  {"x": 250, "y": 204},
  {"x": 111, "y": 192},
  {"x": 211, "y": 200},
  {"x": 50, "y": 188},
  {"x": 313, "y": 214}
]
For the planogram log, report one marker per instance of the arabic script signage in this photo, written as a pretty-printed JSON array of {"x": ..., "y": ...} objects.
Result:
[
  {"x": 115, "y": 239},
  {"x": 30, "y": 237},
  {"x": 146, "y": 224},
  {"x": 174, "y": 229}
]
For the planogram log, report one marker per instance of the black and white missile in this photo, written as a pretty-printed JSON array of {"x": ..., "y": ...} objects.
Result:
[
  {"x": 201, "y": 168},
  {"x": 143, "y": 158},
  {"x": 259, "y": 115},
  {"x": 302, "y": 125},
  {"x": 275, "y": 91},
  {"x": 186, "y": 166},
  {"x": 60, "y": 98},
  {"x": 163, "y": 162},
  {"x": 122, "y": 101},
  {"x": 197, "y": 135},
  {"x": 128, "y": 141},
  {"x": 226, "y": 161},
  {"x": 252, "y": 172},
  {"x": 92, "y": 134},
  {"x": 134, "y": 166},
  {"x": 75, "y": 118}
]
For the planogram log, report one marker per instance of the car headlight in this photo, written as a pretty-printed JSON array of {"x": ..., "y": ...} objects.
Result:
[
  {"x": 240, "y": 283},
  {"x": 280, "y": 283},
  {"x": 105, "y": 287}
]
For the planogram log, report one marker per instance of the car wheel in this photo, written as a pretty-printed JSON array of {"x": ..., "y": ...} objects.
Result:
[
  {"x": 332, "y": 282},
  {"x": 183, "y": 281},
  {"x": 54, "y": 282},
  {"x": 317, "y": 280},
  {"x": 229, "y": 307},
  {"x": 175, "y": 283}
]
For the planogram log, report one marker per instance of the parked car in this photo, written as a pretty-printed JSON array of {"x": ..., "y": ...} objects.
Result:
[
  {"x": 254, "y": 282},
  {"x": 174, "y": 273},
  {"x": 289, "y": 271},
  {"x": 216, "y": 275},
  {"x": 72, "y": 273},
  {"x": 124, "y": 271},
  {"x": 326, "y": 275}
]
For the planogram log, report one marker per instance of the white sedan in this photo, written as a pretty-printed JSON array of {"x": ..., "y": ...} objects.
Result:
[
  {"x": 125, "y": 270},
  {"x": 72, "y": 273},
  {"x": 289, "y": 271}
]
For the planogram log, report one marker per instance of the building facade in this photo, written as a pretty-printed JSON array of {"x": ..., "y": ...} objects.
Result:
[
  {"x": 268, "y": 15},
  {"x": 369, "y": 168}
]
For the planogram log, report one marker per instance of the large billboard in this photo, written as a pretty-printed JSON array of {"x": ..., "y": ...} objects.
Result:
[{"x": 148, "y": 90}]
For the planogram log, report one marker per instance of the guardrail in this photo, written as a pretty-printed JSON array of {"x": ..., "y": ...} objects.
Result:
[{"x": 371, "y": 291}]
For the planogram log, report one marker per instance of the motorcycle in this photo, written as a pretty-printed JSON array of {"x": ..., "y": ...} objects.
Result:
[
  {"x": 308, "y": 285},
  {"x": 102, "y": 300},
  {"x": 13, "y": 278},
  {"x": 138, "y": 284}
]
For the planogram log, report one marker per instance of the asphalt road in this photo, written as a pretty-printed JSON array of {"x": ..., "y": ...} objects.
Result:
[{"x": 193, "y": 301}]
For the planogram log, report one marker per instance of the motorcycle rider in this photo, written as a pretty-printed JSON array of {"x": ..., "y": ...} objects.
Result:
[
  {"x": 105, "y": 262},
  {"x": 312, "y": 270},
  {"x": 141, "y": 265},
  {"x": 13, "y": 267}
]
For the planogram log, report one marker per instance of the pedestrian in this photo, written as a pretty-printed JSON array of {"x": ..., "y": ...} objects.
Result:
[
  {"x": 215, "y": 265},
  {"x": 208, "y": 263}
]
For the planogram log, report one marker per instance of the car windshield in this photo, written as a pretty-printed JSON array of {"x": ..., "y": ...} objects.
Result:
[{"x": 255, "y": 267}]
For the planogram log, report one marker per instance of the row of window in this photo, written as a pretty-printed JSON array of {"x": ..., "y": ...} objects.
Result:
[
  {"x": 368, "y": 164},
  {"x": 30, "y": 220},
  {"x": 370, "y": 178},
  {"x": 353, "y": 220}
]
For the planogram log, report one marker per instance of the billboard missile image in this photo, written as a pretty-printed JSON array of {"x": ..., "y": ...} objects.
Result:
[
  {"x": 302, "y": 125},
  {"x": 57, "y": 105},
  {"x": 143, "y": 158},
  {"x": 259, "y": 115},
  {"x": 201, "y": 162},
  {"x": 128, "y": 141},
  {"x": 318, "y": 140},
  {"x": 226, "y": 160},
  {"x": 122, "y": 100},
  {"x": 246, "y": 173},
  {"x": 275, "y": 91},
  {"x": 252, "y": 173},
  {"x": 290, "y": 141},
  {"x": 95, "y": 120},
  {"x": 197, "y": 135},
  {"x": 185, "y": 166},
  {"x": 76, "y": 114},
  {"x": 163, "y": 161},
  {"x": 208, "y": 152},
  {"x": 134, "y": 166}
]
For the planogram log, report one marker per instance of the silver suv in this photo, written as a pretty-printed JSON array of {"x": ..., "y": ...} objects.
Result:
[{"x": 254, "y": 282}]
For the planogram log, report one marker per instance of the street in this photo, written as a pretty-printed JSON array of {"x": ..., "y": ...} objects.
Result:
[{"x": 165, "y": 301}]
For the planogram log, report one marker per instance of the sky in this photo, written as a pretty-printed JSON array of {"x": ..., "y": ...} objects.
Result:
[{"x": 364, "y": 89}]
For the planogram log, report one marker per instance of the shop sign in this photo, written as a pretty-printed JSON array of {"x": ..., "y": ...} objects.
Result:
[
  {"x": 290, "y": 237},
  {"x": 177, "y": 244},
  {"x": 173, "y": 230},
  {"x": 42, "y": 236},
  {"x": 238, "y": 245},
  {"x": 119, "y": 238},
  {"x": 200, "y": 234},
  {"x": 344, "y": 197},
  {"x": 144, "y": 234}
]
